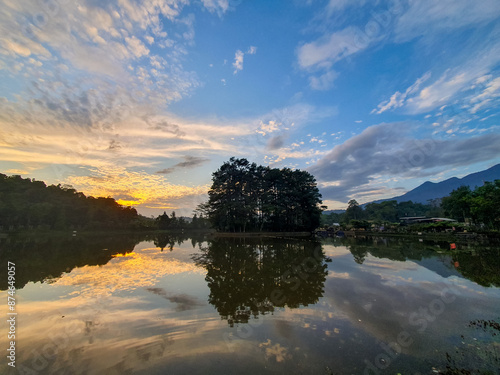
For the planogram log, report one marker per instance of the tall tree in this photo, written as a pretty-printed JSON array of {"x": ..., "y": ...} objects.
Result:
[{"x": 354, "y": 211}]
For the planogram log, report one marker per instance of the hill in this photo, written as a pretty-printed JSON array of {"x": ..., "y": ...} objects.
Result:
[{"x": 30, "y": 204}]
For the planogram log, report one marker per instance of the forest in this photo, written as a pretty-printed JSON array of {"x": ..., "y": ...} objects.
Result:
[
  {"x": 29, "y": 204},
  {"x": 246, "y": 197}
]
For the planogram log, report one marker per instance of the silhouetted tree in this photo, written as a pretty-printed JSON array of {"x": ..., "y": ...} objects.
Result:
[{"x": 245, "y": 197}]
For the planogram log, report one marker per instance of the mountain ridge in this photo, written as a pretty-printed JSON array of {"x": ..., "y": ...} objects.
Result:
[{"x": 436, "y": 190}]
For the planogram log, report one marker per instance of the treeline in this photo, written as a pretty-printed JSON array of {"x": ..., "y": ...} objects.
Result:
[
  {"x": 30, "y": 204},
  {"x": 246, "y": 197},
  {"x": 479, "y": 207},
  {"x": 380, "y": 213},
  {"x": 172, "y": 222}
]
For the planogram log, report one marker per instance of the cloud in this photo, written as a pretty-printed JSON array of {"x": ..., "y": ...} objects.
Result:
[
  {"x": 189, "y": 162},
  {"x": 269, "y": 127},
  {"x": 329, "y": 49},
  {"x": 340, "y": 5},
  {"x": 137, "y": 48},
  {"x": 488, "y": 97},
  {"x": 358, "y": 164},
  {"x": 216, "y": 6},
  {"x": 184, "y": 302},
  {"x": 133, "y": 188},
  {"x": 252, "y": 50},
  {"x": 99, "y": 44},
  {"x": 276, "y": 142},
  {"x": 398, "y": 99},
  {"x": 324, "y": 81},
  {"x": 239, "y": 57},
  {"x": 238, "y": 61},
  {"x": 166, "y": 127},
  {"x": 428, "y": 17},
  {"x": 456, "y": 86}
]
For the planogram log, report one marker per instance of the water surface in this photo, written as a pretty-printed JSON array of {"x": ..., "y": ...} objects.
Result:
[{"x": 177, "y": 305}]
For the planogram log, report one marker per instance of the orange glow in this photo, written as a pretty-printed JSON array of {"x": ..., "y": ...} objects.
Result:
[
  {"x": 128, "y": 271},
  {"x": 128, "y": 203},
  {"x": 134, "y": 188}
]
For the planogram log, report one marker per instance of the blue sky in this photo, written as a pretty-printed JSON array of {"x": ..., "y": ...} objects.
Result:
[{"x": 142, "y": 101}]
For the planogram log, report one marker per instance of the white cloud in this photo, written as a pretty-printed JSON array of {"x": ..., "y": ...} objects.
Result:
[
  {"x": 216, "y": 6},
  {"x": 269, "y": 127},
  {"x": 340, "y": 5},
  {"x": 252, "y": 50},
  {"x": 239, "y": 57},
  {"x": 487, "y": 97},
  {"x": 398, "y": 99},
  {"x": 137, "y": 47},
  {"x": 327, "y": 50},
  {"x": 324, "y": 81},
  {"x": 428, "y": 17},
  {"x": 451, "y": 91},
  {"x": 238, "y": 61}
]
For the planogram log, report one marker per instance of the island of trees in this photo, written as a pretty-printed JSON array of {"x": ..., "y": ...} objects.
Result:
[{"x": 246, "y": 197}]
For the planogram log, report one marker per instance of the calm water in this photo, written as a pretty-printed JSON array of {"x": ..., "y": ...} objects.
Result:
[{"x": 165, "y": 305}]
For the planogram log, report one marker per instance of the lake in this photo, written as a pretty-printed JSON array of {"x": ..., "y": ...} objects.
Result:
[{"x": 164, "y": 304}]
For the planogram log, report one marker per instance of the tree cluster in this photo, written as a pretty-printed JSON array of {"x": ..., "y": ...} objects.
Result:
[
  {"x": 480, "y": 206},
  {"x": 172, "y": 222},
  {"x": 246, "y": 197},
  {"x": 27, "y": 203}
]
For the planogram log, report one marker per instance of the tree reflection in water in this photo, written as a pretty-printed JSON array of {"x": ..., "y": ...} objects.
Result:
[
  {"x": 478, "y": 262},
  {"x": 248, "y": 277}
]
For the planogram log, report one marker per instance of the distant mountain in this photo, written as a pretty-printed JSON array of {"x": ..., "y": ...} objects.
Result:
[
  {"x": 432, "y": 190},
  {"x": 327, "y": 212}
]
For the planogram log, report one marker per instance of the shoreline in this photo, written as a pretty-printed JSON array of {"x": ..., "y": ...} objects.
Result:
[{"x": 259, "y": 234}]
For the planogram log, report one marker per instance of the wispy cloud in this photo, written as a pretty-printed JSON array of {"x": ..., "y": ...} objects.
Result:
[
  {"x": 398, "y": 99},
  {"x": 324, "y": 81},
  {"x": 189, "y": 162},
  {"x": 216, "y": 6},
  {"x": 427, "y": 18},
  {"x": 327, "y": 50},
  {"x": 252, "y": 50}
]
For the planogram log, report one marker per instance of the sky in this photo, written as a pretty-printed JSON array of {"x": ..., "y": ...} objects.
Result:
[{"x": 143, "y": 100}]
